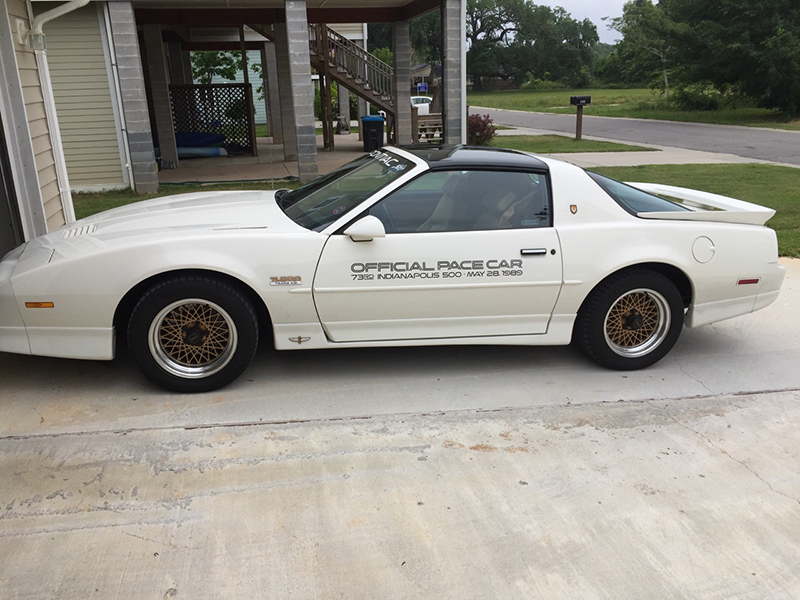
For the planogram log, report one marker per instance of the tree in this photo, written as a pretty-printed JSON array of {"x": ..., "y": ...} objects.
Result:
[
  {"x": 647, "y": 27},
  {"x": 209, "y": 64},
  {"x": 515, "y": 39},
  {"x": 752, "y": 45}
]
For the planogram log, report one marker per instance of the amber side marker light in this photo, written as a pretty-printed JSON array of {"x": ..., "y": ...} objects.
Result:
[
  {"x": 747, "y": 281},
  {"x": 39, "y": 305}
]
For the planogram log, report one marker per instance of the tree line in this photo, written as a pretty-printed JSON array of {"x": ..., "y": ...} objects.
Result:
[{"x": 699, "y": 55}]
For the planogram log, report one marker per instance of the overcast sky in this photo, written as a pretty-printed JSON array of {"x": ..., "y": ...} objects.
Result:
[{"x": 594, "y": 10}]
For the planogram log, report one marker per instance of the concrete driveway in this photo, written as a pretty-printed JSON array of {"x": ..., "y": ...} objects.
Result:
[{"x": 413, "y": 473}]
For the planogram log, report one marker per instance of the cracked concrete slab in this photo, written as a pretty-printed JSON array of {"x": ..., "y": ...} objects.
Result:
[
  {"x": 651, "y": 499},
  {"x": 413, "y": 473}
]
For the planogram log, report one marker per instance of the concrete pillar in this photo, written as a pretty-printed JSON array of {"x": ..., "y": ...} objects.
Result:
[
  {"x": 285, "y": 93},
  {"x": 134, "y": 102},
  {"x": 302, "y": 89},
  {"x": 401, "y": 42},
  {"x": 343, "y": 125},
  {"x": 453, "y": 94},
  {"x": 159, "y": 90},
  {"x": 269, "y": 67}
]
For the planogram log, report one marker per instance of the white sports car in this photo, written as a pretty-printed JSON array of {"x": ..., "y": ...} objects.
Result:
[{"x": 404, "y": 246}]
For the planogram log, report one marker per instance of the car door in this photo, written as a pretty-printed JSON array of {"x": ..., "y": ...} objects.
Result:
[{"x": 466, "y": 254}]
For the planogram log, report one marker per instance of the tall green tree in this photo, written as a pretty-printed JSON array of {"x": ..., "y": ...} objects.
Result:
[
  {"x": 514, "y": 39},
  {"x": 209, "y": 64},
  {"x": 753, "y": 45},
  {"x": 646, "y": 27}
]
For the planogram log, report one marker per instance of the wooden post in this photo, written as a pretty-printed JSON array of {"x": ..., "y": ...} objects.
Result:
[{"x": 579, "y": 123}]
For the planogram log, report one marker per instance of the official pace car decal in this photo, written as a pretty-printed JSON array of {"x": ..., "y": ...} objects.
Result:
[{"x": 441, "y": 269}]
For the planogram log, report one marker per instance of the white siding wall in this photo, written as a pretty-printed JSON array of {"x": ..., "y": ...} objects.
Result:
[
  {"x": 83, "y": 99},
  {"x": 37, "y": 121}
]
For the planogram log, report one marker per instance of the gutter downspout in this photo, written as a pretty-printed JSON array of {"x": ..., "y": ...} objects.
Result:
[{"x": 35, "y": 38}]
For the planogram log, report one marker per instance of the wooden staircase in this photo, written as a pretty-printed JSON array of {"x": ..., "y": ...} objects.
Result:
[{"x": 337, "y": 58}]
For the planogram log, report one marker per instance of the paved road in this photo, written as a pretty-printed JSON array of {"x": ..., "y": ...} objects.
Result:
[{"x": 750, "y": 142}]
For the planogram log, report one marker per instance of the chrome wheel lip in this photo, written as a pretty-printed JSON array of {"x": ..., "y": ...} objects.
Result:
[
  {"x": 174, "y": 367},
  {"x": 660, "y": 330}
]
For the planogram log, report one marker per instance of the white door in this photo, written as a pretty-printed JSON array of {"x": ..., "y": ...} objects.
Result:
[{"x": 424, "y": 280}]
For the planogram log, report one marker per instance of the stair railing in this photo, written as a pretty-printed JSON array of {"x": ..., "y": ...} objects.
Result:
[{"x": 345, "y": 56}]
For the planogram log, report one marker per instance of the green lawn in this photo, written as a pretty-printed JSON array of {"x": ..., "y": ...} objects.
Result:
[
  {"x": 636, "y": 103},
  {"x": 553, "y": 144},
  {"x": 768, "y": 185}
]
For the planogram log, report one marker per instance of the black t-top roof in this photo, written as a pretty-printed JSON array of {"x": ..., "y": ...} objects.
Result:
[{"x": 454, "y": 157}]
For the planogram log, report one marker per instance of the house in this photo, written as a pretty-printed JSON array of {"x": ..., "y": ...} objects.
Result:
[{"x": 85, "y": 87}]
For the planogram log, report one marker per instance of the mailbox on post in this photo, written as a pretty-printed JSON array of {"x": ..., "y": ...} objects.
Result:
[{"x": 580, "y": 102}]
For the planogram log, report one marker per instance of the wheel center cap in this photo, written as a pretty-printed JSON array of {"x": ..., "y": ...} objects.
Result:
[
  {"x": 194, "y": 336},
  {"x": 634, "y": 321}
]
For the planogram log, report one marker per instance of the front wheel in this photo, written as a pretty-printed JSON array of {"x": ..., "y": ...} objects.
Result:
[
  {"x": 193, "y": 334},
  {"x": 630, "y": 321}
]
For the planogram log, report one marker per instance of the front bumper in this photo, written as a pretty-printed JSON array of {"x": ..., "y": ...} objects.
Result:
[{"x": 13, "y": 337}]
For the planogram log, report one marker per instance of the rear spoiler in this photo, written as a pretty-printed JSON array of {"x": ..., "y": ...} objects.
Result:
[{"x": 705, "y": 206}]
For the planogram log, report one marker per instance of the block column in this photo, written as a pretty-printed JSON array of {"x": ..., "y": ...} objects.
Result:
[
  {"x": 453, "y": 67},
  {"x": 136, "y": 119},
  {"x": 301, "y": 88},
  {"x": 401, "y": 43},
  {"x": 285, "y": 93}
]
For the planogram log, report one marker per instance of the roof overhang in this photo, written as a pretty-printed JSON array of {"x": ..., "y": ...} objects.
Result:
[{"x": 206, "y": 13}]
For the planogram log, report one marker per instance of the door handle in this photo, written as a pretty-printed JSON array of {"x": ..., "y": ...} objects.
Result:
[{"x": 533, "y": 251}]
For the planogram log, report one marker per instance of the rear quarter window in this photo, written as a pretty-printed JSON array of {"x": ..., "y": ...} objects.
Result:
[{"x": 632, "y": 199}]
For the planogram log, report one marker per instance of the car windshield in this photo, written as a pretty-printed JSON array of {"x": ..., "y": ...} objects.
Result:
[
  {"x": 318, "y": 204},
  {"x": 632, "y": 199}
]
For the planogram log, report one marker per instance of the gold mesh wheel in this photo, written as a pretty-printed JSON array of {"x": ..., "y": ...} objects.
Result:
[
  {"x": 192, "y": 338},
  {"x": 637, "y": 323}
]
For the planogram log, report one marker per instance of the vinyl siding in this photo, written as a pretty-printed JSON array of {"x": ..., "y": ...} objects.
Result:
[
  {"x": 353, "y": 31},
  {"x": 37, "y": 121},
  {"x": 82, "y": 93}
]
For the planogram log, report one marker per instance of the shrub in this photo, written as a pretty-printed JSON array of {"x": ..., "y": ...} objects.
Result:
[
  {"x": 698, "y": 96},
  {"x": 480, "y": 130}
]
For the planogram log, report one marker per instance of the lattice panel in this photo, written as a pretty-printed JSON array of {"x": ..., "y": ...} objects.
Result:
[{"x": 216, "y": 108}]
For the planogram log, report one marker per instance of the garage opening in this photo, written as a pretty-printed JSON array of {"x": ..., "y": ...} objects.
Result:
[{"x": 10, "y": 224}]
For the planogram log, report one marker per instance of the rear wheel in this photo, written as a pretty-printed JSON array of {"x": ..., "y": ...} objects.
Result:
[
  {"x": 630, "y": 321},
  {"x": 193, "y": 334}
]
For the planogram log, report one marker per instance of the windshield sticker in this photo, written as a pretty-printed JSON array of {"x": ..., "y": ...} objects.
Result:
[
  {"x": 442, "y": 269},
  {"x": 339, "y": 210},
  {"x": 388, "y": 160}
]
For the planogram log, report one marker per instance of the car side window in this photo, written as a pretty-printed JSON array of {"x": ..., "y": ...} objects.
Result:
[{"x": 470, "y": 200}]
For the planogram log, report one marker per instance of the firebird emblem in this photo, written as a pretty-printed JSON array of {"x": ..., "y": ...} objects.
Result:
[
  {"x": 299, "y": 340},
  {"x": 573, "y": 208}
]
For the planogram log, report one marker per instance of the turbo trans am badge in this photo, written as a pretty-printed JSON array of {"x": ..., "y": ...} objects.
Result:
[{"x": 286, "y": 280}]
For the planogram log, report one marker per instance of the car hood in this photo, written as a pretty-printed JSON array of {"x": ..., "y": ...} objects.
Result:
[
  {"x": 207, "y": 210},
  {"x": 175, "y": 215}
]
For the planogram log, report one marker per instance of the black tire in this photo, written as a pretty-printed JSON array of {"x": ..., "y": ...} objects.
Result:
[
  {"x": 193, "y": 334},
  {"x": 631, "y": 320}
]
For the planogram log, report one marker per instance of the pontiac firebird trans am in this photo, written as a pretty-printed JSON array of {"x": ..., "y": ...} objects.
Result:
[{"x": 403, "y": 246}]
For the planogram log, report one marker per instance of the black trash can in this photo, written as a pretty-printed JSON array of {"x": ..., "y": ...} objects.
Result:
[{"x": 372, "y": 132}]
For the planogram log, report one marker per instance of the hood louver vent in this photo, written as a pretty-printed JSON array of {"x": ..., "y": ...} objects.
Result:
[{"x": 86, "y": 229}]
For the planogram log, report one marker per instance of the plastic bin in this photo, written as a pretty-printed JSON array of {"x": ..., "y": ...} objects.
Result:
[{"x": 372, "y": 132}]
